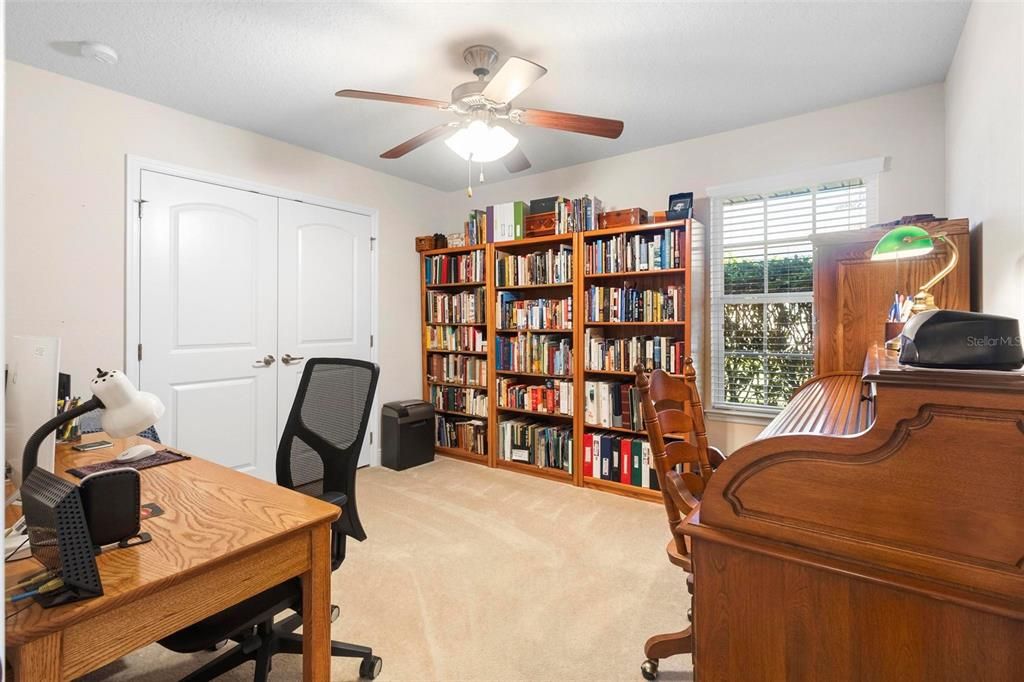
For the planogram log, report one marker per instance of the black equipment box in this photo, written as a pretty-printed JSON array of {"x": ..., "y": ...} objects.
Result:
[
  {"x": 956, "y": 339},
  {"x": 407, "y": 434}
]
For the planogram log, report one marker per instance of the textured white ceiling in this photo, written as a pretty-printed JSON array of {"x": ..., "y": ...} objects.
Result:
[{"x": 671, "y": 71}]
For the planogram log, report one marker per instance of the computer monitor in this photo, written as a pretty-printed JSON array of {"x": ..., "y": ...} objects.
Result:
[{"x": 33, "y": 365}]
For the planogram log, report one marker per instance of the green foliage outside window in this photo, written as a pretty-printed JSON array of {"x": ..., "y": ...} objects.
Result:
[{"x": 769, "y": 346}]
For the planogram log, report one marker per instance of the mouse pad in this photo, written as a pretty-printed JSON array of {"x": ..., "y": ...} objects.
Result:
[{"x": 156, "y": 459}]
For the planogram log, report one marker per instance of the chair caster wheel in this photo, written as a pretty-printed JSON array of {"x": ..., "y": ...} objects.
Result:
[
  {"x": 649, "y": 669},
  {"x": 370, "y": 668}
]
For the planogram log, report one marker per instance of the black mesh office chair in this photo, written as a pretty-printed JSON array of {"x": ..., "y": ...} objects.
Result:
[{"x": 318, "y": 456}]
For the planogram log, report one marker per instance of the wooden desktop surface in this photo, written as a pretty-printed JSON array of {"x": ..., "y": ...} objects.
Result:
[{"x": 224, "y": 536}]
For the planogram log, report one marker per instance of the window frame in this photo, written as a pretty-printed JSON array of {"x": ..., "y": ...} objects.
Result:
[{"x": 868, "y": 171}]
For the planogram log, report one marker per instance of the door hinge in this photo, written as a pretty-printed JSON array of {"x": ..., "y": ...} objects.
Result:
[
  {"x": 371, "y": 437},
  {"x": 140, "y": 202},
  {"x": 140, "y": 352},
  {"x": 373, "y": 240},
  {"x": 371, "y": 340}
]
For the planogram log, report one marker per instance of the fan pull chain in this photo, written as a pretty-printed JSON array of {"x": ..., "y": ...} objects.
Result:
[{"x": 469, "y": 187}]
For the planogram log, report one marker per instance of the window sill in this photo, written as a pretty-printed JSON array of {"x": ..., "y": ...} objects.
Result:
[{"x": 740, "y": 416}]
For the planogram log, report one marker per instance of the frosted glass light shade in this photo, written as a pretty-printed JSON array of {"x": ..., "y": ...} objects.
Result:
[{"x": 482, "y": 143}]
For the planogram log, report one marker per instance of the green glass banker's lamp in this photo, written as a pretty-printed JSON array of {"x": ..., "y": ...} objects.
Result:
[{"x": 909, "y": 241}]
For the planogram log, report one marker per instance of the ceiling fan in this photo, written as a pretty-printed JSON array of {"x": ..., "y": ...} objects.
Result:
[{"x": 480, "y": 104}]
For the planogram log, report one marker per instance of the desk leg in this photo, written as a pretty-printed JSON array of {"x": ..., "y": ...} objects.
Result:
[
  {"x": 39, "y": 660},
  {"x": 316, "y": 608}
]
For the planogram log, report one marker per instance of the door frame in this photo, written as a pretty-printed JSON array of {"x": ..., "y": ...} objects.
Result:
[{"x": 134, "y": 165}]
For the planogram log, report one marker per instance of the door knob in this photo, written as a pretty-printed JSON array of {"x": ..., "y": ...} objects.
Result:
[
  {"x": 267, "y": 361},
  {"x": 290, "y": 359}
]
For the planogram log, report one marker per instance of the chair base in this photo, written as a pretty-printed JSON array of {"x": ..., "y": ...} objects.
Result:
[{"x": 269, "y": 639}]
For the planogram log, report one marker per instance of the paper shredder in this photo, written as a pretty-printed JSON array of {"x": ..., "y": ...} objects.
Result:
[{"x": 407, "y": 434}]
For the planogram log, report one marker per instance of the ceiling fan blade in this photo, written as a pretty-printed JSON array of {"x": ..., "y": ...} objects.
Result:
[
  {"x": 515, "y": 161},
  {"x": 574, "y": 123},
  {"x": 416, "y": 142},
  {"x": 512, "y": 78},
  {"x": 398, "y": 99}
]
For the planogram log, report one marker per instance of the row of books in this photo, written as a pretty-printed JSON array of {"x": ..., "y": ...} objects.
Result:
[
  {"x": 465, "y": 400},
  {"x": 554, "y": 396},
  {"x": 553, "y": 266},
  {"x": 463, "y": 307},
  {"x": 612, "y": 403},
  {"x": 497, "y": 223},
  {"x": 577, "y": 215},
  {"x": 633, "y": 304},
  {"x": 472, "y": 339},
  {"x": 540, "y": 313},
  {"x": 530, "y": 442},
  {"x": 536, "y": 353},
  {"x": 636, "y": 252},
  {"x": 457, "y": 369},
  {"x": 624, "y": 459},
  {"x": 452, "y": 269},
  {"x": 466, "y": 434},
  {"x": 622, "y": 355}
]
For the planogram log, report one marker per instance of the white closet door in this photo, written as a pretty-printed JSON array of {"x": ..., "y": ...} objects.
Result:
[
  {"x": 208, "y": 316},
  {"x": 325, "y": 294}
]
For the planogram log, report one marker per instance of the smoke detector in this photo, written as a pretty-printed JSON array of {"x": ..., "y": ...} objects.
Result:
[{"x": 104, "y": 54}]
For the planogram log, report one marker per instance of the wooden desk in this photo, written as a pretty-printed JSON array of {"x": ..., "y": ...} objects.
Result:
[
  {"x": 224, "y": 537},
  {"x": 895, "y": 552}
]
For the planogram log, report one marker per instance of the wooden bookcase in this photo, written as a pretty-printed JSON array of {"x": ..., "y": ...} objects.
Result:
[{"x": 678, "y": 331}]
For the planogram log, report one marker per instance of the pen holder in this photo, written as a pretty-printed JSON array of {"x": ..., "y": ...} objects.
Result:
[{"x": 893, "y": 330}]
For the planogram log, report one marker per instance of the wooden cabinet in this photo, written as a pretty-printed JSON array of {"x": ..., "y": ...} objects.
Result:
[{"x": 852, "y": 293}]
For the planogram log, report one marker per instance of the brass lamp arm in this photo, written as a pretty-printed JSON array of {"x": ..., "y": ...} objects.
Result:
[{"x": 949, "y": 266}]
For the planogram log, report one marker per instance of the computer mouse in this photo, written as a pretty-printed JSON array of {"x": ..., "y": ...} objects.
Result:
[{"x": 135, "y": 452}]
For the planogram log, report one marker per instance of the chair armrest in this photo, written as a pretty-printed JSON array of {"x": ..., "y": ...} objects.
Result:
[
  {"x": 337, "y": 499},
  {"x": 715, "y": 457}
]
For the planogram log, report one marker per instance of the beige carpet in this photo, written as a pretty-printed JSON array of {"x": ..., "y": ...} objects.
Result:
[{"x": 472, "y": 573}]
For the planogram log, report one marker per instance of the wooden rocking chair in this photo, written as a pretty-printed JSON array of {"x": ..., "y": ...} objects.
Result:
[{"x": 683, "y": 460}]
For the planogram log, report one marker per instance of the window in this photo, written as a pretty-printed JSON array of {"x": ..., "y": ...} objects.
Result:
[{"x": 762, "y": 314}]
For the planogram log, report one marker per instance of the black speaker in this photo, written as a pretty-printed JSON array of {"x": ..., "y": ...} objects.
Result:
[{"x": 59, "y": 536}]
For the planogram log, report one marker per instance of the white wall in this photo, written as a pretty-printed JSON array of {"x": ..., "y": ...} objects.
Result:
[
  {"x": 66, "y": 147},
  {"x": 908, "y": 127},
  {"x": 985, "y": 147}
]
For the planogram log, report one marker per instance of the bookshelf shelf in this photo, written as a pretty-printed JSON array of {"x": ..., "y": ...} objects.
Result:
[
  {"x": 622, "y": 489},
  {"x": 634, "y": 324},
  {"x": 456, "y": 324},
  {"x": 482, "y": 387},
  {"x": 513, "y": 373},
  {"x": 451, "y": 285},
  {"x": 534, "y": 470},
  {"x": 636, "y": 273},
  {"x": 516, "y": 410},
  {"x": 545, "y": 256},
  {"x": 613, "y": 372},
  {"x": 635, "y": 432},
  {"x": 455, "y": 413},
  {"x": 560, "y": 285},
  {"x": 462, "y": 453}
]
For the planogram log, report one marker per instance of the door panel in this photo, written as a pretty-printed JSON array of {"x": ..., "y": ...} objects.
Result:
[
  {"x": 208, "y": 315},
  {"x": 325, "y": 293}
]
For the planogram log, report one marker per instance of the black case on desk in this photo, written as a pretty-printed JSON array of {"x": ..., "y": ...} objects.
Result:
[
  {"x": 112, "y": 501},
  {"x": 59, "y": 536}
]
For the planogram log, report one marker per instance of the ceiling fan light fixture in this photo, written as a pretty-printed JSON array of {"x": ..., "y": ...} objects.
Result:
[{"x": 481, "y": 142}]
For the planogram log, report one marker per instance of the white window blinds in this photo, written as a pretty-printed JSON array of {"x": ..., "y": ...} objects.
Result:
[{"x": 761, "y": 287}]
